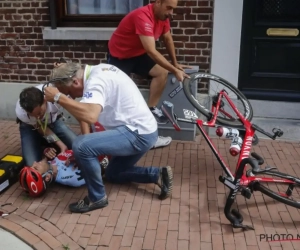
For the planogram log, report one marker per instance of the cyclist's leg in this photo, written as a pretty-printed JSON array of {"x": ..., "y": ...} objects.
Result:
[{"x": 146, "y": 67}]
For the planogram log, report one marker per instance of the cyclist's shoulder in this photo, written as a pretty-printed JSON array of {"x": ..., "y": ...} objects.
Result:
[{"x": 142, "y": 13}]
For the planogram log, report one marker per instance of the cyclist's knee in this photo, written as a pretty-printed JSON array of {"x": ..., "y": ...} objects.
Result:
[
  {"x": 158, "y": 72},
  {"x": 163, "y": 73}
]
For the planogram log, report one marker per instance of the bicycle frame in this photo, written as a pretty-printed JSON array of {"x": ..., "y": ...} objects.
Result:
[
  {"x": 237, "y": 181},
  {"x": 246, "y": 146}
]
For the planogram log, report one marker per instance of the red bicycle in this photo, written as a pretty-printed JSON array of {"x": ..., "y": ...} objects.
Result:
[{"x": 227, "y": 106}]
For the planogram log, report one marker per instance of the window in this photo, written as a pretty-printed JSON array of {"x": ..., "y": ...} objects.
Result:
[{"x": 93, "y": 13}]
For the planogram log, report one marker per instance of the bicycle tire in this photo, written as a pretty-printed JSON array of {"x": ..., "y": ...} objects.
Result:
[
  {"x": 265, "y": 190},
  {"x": 187, "y": 85}
]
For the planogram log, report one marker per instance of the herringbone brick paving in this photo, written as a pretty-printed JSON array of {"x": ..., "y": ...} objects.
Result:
[{"x": 135, "y": 219}]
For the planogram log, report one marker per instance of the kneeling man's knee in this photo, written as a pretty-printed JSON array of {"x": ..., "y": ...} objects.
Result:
[{"x": 78, "y": 145}]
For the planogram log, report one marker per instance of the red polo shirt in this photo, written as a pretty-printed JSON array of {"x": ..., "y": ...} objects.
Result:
[{"x": 125, "y": 42}]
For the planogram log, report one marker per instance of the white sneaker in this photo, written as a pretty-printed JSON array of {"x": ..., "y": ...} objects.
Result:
[{"x": 162, "y": 142}]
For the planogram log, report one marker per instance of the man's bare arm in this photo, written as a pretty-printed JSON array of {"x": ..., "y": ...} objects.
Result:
[
  {"x": 149, "y": 45},
  {"x": 48, "y": 132},
  {"x": 83, "y": 112},
  {"x": 169, "y": 43}
]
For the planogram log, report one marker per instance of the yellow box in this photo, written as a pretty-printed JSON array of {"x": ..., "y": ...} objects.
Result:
[{"x": 13, "y": 158}]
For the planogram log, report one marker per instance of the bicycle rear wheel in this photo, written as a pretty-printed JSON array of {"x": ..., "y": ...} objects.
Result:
[
  {"x": 287, "y": 193},
  {"x": 226, "y": 115}
]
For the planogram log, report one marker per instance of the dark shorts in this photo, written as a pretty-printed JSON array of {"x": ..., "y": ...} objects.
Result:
[{"x": 140, "y": 65}]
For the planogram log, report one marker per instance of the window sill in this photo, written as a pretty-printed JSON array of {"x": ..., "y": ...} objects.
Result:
[{"x": 70, "y": 33}]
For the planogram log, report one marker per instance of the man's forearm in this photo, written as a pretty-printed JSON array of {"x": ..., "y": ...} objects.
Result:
[
  {"x": 46, "y": 132},
  {"x": 83, "y": 112},
  {"x": 50, "y": 136},
  {"x": 162, "y": 61},
  {"x": 171, "y": 49},
  {"x": 85, "y": 128}
]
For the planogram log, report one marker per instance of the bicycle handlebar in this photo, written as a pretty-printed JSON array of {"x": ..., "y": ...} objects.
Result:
[{"x": 233, "y": 215}]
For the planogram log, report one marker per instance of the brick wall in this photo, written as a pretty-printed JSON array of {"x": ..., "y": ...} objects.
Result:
[{"x": 26, "y": 57}]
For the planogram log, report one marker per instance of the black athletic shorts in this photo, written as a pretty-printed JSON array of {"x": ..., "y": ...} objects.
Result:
[{"x": 140, "y": 65}]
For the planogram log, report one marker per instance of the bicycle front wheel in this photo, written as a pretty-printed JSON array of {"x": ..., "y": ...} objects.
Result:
[
  {"x": 213, "y": 85},
  {"x": 284, "y": 188}
]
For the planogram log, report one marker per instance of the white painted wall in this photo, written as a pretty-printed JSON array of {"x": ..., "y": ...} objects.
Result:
[
  {"x": 227, "y": 26},
  {"x": 226, "y": 39}
]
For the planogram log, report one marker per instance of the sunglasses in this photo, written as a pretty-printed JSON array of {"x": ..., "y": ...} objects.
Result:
[{"x": 3, "y": 214}]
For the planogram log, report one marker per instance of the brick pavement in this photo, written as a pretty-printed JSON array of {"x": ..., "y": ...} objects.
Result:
[{"x": 135, "y": 219}]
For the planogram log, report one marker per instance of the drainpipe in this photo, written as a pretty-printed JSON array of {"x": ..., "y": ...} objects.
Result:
[{"x": 52, "y": 8}]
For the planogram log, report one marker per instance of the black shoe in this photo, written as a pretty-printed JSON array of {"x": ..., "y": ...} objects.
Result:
[
  {"x": 160, "y": 118},
  {"x": 166, "y": 185},
  {"x": 85, "y": 205}
]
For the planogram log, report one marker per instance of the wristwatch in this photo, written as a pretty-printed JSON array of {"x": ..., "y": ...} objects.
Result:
[{"x": 56, "y": 97}]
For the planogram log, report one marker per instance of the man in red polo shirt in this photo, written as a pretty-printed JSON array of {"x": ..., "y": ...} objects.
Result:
[{"x": 132, "y": 48}]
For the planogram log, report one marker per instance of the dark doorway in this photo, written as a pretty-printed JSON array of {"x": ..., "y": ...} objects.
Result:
[{"x": 270, "y": 50}]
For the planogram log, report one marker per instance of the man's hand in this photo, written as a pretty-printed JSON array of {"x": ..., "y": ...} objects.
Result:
[
  {"x": 70, "y": 160},
  {"x": 50, "y": 153},
  {"x": 49, "y": 93},
  {"x": 182, "y": 66},
  {"x": 180, "y": 75}
]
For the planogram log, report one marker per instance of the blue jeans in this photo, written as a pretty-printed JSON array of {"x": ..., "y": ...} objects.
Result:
[
  {"x": 125, "y": 146},
  {"x": 32, "y": 141}
]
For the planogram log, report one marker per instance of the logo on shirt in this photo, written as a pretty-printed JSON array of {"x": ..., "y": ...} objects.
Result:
[
  {"x": 88, "y": 95},
  {"x": 66, "y": 177},
  {"x": 148, "y": 27},
  {"x": 112, "y": 68},
  {"x": 80, "y": 176}
]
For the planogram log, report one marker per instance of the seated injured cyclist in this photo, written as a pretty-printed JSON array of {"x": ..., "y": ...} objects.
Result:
[
  {"x": 109, "y": 96},
  {"x": 59, "y": 168}
]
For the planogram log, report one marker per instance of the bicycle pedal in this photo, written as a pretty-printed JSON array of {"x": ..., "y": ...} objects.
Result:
[{"x": 277, "y": 131}]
